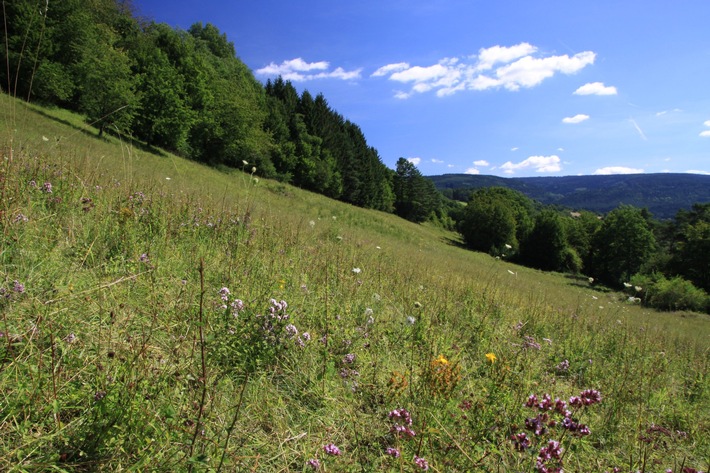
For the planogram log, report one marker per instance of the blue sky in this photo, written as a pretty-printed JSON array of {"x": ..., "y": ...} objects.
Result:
[{"x": 511, "y": 88}]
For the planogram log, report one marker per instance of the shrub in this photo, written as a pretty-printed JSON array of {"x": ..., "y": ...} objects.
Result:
[{"x": 672, "y": 294}]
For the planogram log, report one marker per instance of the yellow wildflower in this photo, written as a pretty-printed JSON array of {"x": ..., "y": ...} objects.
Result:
[
  {"x": 441, "y": 360},
  {"x": 491, "y": 357}
]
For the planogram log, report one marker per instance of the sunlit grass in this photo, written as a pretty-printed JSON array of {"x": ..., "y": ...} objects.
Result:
[{"x": 118, "y": 353}]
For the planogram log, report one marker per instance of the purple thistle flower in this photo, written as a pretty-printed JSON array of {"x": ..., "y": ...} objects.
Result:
[
  {"x": 331, "y": 449},
  {"x": 313, "y": 463}
]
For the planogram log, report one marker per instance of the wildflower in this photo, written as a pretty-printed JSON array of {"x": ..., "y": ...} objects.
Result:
[
  {"x": 638, "y": 288},
  {"x": 349, "y": 358},
  {"x": 356, "y": 270},
  {"x": 291, "y": 330},
  {"x": 306, "y": 337},
  {"x": 21, "y": 218},
  {"x": 591, "y": 280},
  {"x": 18, "y": 287},
  {"x": 44, "y": 138},
  {"x": 627, "y": 285},
  {"x": 331, "y": 449},
  {"x": 508, "y": 247},
  {"x": 47, "y": 187},
  {"x": 393, "y": 452},
  {"x": 421, "y": 462},
  {"x": 253, "y": 169},
  {"x": 402, "y": 414},
  {"x": 313, "y": 462},
  {"x": 368, "y": 312},
  {"x": 530, "y": 343},
  {"x": 144, "y": 258},
  {"x": 441, "y": 360},
  {"x": 590, "y": 396},
  {"x": 562, "y": 366},
  {"x": 247, "y": 164},
  {"x": 411, "y": 320},
  {"x": 312, "y": 223},
  {"x": 224, "y": 294},
  {"x": 521, "y": 441},
  {"x": 491, "y": 357},
  {"x": 71, "y": 338}
]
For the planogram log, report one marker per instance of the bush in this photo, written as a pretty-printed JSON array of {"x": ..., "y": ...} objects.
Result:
[{"x": 672, "y": 294}]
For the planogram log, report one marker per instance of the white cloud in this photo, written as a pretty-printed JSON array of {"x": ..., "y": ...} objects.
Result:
[
  {"x": 579, "y": 118},
  {"x": 472, "y": 171},
  {"x": 538, "y": 163},
  {"x": 595, "y": 88},
  {"x": 698, "y": 172},
  {"x": 415, "y": 161},
  {"x": 560, "y": 149},
  {"x": 450, "y": 166},
  {"x": 389, "y": 68},
  {"x": 488, "y": 57},
  {"x": 706, "y": 123},
  {"x": 514, "y": 148},
  {"x": 511, "y": 68},
  {"x": 616, "y": 170},
  {"x": 481, "y": 162},
  {"x": 298, "y": 70},
  {"x": 437, "y": 161},
  {"x": 705, "y": 134}
]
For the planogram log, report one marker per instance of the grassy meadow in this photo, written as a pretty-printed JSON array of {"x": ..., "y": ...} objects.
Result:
[{"x": 160, "y": 315}]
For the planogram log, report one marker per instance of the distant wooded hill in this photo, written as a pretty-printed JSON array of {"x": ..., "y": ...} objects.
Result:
[{"x": 662, "y": 194}]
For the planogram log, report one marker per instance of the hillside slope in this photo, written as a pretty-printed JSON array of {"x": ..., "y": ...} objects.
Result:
[{"x": 158, "y": 314}]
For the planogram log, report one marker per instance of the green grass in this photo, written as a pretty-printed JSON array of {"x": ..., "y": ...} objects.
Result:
[{"x": 117, "y": 356}]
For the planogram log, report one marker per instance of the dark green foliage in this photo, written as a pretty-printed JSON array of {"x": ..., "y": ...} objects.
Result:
[
  {"x": 496, "y": 217},
  {"x": 546, "y": 246},
  {"x": 689, "y": 245},
  {"x": 317, "y": 149},
  {"x": 416, "y": 198},
  {"x": 675, "y": 293},
  {"x": 621, "y": 245}
]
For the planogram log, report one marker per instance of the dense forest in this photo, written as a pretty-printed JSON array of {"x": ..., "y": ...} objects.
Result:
[
  {"x": 188, "y": 92},
  {"x": 663, "y": 194}
]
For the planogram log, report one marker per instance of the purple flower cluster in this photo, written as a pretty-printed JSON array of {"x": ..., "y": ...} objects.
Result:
[
  {"x": 520, "y": 441},
  {"x": 551, "y": 451},
  {"x": 403, "y": 422},
  {"x": 313, "y": 463},
  {"x": 540, "y": 423},
  {"x": 331, "y": 449},
  {"x": 393, "y": 452},
  {"x": 589, "y": 397},
  {"x": 421, "y": 462},
  {"x": 562, "y": 366},
  {"x": 17, "y": 287}
]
